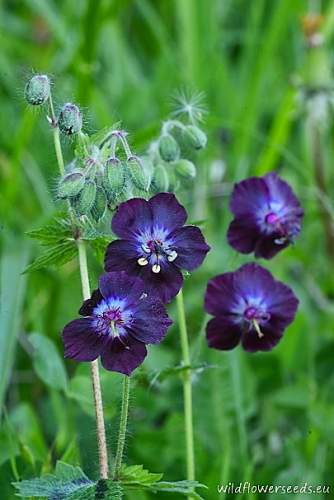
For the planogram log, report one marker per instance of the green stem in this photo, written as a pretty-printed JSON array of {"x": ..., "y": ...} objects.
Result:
[
  {"x": 100, "y": 427},
  {"x": 187, "y": 389},
  {"x": 122, "y": 427},
  {"x": 56, "y": 138}
]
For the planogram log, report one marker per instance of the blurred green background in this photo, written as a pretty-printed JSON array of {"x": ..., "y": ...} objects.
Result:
[{"x": 266, "y": 418}]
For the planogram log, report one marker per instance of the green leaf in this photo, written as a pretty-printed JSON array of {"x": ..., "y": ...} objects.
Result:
[
  {"x": 47, "y": 363},
  {"x": 56, "y": 255},
  {"x": 53, "y": 232},
  {"x": 135, "y": 477},
  {"x": 68, "y": 483},
  {"x": 136, "y": 474}
]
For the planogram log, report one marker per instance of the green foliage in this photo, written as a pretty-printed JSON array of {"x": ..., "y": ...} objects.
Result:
[
  {"x": 68, "y": 483},
  {"x": 47, "y": 362}
]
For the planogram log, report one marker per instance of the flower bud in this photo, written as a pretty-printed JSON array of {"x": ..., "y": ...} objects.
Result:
[
  {"x": 113, "y": 178},
  {"x": 194, "y": 137},
  {"x": 185, "y": 169},
  {"x": 160, "y": 181},
  {"x": 100, "y": 204},
  {"x": 86, "y": 199},
  {"x": 138, "y": 174},
  {"x": 168, "y": 148},
  {"x": 70, "y": 185},
  {"x": 37, "y": 90},
  {"x": 70, "y": 119}
]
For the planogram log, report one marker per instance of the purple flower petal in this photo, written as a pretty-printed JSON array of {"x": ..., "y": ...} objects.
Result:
[
  {"x": 123, "y": 358},
  {"x": 121, "y": 285},
  {"x": 167, "y": 211},
  {"x": 164, "y": 285},
  {"x": 191, "y": 247},
  {"x": 220, "y": 297},
  {"x": 251, "y": 341},
  {"x": 81, "y": 340},
  {"x": 267, "y": 248},
  {"x": 252, "y": 280},
  {"x": 150, "y": 322},
  {"x": 131, "y": 217},
  {"x": 89, "y": 305},
  {"x": 243, "y": 234},
  {"x": 121, "y": 255},
  {"x": 283, "y": 305},
  {"x": 281, "y": 192},
  {"x": 249, "y": 196},
  {"x": 222, "y": 334}
]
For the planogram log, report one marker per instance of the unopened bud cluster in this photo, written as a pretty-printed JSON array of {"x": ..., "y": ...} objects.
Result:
[
  {"x": 173, "y": 155},
  {"x": 99, "y": 179}
]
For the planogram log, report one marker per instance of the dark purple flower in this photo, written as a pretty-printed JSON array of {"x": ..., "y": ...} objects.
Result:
[
  {"x": 155, "y": 245},
  {"x": 267, "y": 216},
  {"x": 249, "y": 306},
  {"x": 119, "y": 319}
]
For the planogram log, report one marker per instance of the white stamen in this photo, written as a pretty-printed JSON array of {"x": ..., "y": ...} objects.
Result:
[
  {"x": 142, "y": 261},
  {"x": 156, "y": 268},
  {"x": 171, "y": 256},
  {"x": 146, "y": 249}
]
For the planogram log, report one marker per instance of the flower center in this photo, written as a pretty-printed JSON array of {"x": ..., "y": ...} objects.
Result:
[
  {"x": 155, "y": 252},
  {"x": 110, "y": 322},
  {"x": 284, "y": 228},
  {"x": 256, "y": 317}
]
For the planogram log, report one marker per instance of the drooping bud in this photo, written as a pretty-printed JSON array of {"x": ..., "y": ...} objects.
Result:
[
  {"x": 70, "y": 185},
  {"x": 86, "y": 199},
  {"x": 194, "y": 137},
  {"x": 168, "y": 148},
  {"x": 70, "y": 119},
  {"x": 138, "y": 173},
  {"x": 185, "y": 169},
  {"x": 160, "y": 181},
  {"x": 114, "y": 178},
  {"x": 37, "y": 90},
  {"x": 100, "y": 204}
]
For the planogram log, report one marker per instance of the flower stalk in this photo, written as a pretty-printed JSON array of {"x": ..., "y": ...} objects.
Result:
[
  {"x": 97, "y": 393},
  {"x": 100, "y": 427},
  {"x": 187, "y": 388},
  {"x": 122, "y": 427}
]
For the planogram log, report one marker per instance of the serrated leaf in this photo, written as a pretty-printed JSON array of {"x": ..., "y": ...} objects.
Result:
[
  {"x": 185, "y": 487},
  {"x": 56, "y": 255},
  {"x": 53, "y": 232},
  {"x": 68, "y": 483},
  {"x": 136, "y": 474},
  {"x": 47, "y": 363}
]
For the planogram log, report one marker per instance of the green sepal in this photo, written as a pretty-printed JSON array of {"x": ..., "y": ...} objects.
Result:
[
  {"x": 70, "y": 185},
  {"x": 100, "y": 205},
  {"x": 169, "y": 149}
]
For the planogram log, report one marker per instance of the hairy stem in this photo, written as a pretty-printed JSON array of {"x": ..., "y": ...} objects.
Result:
[
  {"x": 122, "y": 427},
  {"x": 56, "y": 138},
  {"x": 100, "y": 427},
  {"x": 187, "y": 389},
  {"x": 101, "y": 433}
]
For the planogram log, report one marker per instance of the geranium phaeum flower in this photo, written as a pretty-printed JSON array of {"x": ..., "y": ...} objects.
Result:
[
  {"x": 155, "y": 244},
  {"x": 119, "y": 319},
  {"x": 267, "y": 216},
  {"x": 249, "y": 306}
]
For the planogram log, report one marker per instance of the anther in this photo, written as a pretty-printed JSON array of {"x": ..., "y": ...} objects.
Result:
[
  {"x": 171, "y": 255},
  {"x": 156, "y": 268},
  {"x": 142, "y": 261}
]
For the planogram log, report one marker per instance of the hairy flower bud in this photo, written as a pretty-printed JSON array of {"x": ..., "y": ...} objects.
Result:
[
  {"x": 86, "y": 199},
  {"x": 194, "y": 137},
  {"x": 37, "y": 90},
  {"x": 114, "y": 178},
  {"x": 70, "y": 119},
  {"x": 160, "y": 181},
  {"x": 138, "y": 174},
  {"x": 100, "y": 204},
  {"x": 185, "y": 169},
  {"x": 168, "y": 148},
  {"x": 71, "y": 185}
]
